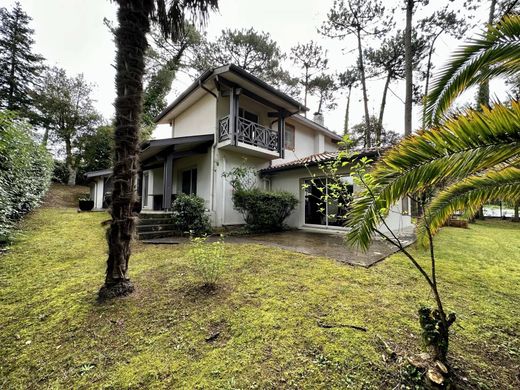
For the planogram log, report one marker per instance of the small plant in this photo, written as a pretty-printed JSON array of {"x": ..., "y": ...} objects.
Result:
[
  {"x": 84, "y": 198},
  {"x": 208, "y": 259},
  {"x": 189, "y": 215},
  {"x": 241, "y": 178}
]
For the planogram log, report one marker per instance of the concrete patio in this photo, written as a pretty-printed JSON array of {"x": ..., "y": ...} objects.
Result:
[{"x": 324, "y": 244}]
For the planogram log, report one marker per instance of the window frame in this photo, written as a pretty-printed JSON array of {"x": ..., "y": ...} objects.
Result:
[{"x": 293, "y": 128}]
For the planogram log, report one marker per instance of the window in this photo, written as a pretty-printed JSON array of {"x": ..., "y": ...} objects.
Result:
[
  {"x": 189, "y": 182},
  {"x": 322, "y": 210},
  {"x": 289, "y": 137},
  {"x": 247, "y": 115}
]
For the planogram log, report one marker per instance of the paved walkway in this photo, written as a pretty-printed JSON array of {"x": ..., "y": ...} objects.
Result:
[{"x": 324, "y": 244}]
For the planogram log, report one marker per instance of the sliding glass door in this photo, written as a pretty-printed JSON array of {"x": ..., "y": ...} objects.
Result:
[{"x": 323, "y": 206}]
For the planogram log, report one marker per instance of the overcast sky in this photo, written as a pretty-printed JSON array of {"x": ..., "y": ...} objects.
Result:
[{"x": 71, "y": 34}]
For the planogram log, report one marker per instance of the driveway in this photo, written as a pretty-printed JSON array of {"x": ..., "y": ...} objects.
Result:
[{"x": 324, "y": 244}]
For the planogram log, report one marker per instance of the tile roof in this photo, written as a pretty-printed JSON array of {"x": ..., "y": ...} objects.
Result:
[{"x": 318, "y": 158}]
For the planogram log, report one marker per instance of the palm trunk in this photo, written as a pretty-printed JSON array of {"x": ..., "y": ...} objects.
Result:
[
  {"x": 131, "y": 45},
  {"x": 516, "y": 217},
  {"x": 379, "y": 128},
  {"x": 364, "y": 87},
  {"x": 347, "y": 112},
  {"x": 408, "y": 69}
]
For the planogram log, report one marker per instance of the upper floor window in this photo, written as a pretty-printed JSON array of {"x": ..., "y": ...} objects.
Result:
[
  {"x": 250, "y": 116},
  {"x": 289, "y": 137},
  {"x": 189, "y": 182}
]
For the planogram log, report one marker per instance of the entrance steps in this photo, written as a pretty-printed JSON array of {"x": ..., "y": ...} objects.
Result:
[{"x": 155, "y": 225}]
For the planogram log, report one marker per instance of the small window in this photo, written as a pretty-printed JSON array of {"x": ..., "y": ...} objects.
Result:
[
  {"x": 189, "y": 182},
  {"x": 247, "y": 115},
  {"x": 289, "y": 137}
]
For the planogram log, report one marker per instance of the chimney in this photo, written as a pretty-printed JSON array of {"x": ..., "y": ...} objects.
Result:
[{"x": 318, "y": 118}]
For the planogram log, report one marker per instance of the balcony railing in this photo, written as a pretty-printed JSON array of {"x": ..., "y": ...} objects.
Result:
[{"x": 250, "y": 133}]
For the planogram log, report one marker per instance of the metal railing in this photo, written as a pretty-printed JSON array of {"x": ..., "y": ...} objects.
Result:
[{"x": 250, "y": 133}]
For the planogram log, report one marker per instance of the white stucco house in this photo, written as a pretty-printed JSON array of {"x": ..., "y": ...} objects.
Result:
[{"x": 227, "y": 118}]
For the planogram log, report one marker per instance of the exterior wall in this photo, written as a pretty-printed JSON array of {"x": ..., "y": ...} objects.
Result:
[
  {"x": 200, "y": 162},
  {"x": 100, "y": 192},
  {"x": 307, "y": 141},
  {"x": 198, "y": 119},
  {"x": 225, "y": 161}
]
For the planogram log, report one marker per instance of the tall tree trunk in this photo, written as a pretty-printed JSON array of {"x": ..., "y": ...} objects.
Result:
[
  {"x": 427, "y": 80},
  {"x": 408, "y": 69},
  {"x": 516, "y": 217},
  {"x": 131, "y": 45},
  {"x": 12, "y": 66},
  {"x": 347, "y": 112},
  {"x": 69, "y": 163},
  {"x": 364, "y": 87},
  {"x": 379, "y": 128},
  {"x": 45, "y": 138},
  {"x": 483, "y": 89},
  {"x": 306, "y": 90}
]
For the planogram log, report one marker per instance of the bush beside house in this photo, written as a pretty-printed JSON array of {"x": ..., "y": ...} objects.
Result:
[
  {"x": 189, "y": 215},
  {"x": 25, "y": 172},
  {"x": 264, "y": 210}
]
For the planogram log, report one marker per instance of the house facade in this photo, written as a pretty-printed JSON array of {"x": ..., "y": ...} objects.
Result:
[{"x": 229, "y": 118}]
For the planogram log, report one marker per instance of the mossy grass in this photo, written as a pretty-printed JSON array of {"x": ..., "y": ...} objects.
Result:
[{"x": 260, "y": 327}]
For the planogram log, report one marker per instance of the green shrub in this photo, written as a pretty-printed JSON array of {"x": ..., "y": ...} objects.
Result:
[
  {"x": 189, "y": 215},
  {"x": 25, "y": 172},
  {"x": 207, "y": 259},
  {"x": 60, "y": 173},
  {"x": 264, "y": 210}
]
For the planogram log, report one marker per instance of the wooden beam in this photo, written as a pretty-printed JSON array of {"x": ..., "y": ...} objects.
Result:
[
  {"x": 167, "y": 181},
  {"x": 233, "y": 113},
  {"x": 281, "y": 135},
  {"x": 250, "y": 94}
]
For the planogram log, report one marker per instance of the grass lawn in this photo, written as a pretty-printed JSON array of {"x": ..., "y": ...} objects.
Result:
[{"x": 53, "y": 334}]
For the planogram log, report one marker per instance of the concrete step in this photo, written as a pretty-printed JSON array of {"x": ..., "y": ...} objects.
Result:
[
  {"x": 156, "y": 215},
  {"x": 154, "y": 221},
  {"x": 159, "y": 234},
  {"x": 154, "y": 227}
]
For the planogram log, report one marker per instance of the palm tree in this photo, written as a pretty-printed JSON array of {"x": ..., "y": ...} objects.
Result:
[
  {"x": 463, "y": 152},
  {"x": 462, "y": 161},
  {"x": 135, "y": 18}
]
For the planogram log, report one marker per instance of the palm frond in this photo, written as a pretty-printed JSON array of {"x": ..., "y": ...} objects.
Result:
[
  {"x": 172, "y": 16},
  {"x": 465, "y": 145},
  {"x": 468, "y": 195},
  {"x": 495, "y": 53}
]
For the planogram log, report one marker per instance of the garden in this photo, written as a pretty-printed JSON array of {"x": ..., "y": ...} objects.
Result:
[{"x": 275, "y": 319}]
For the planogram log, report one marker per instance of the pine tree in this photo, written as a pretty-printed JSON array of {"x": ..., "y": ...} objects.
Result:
[{"x": 19, "y": 66}]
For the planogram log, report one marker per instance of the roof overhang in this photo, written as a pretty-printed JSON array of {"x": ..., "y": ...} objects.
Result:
[
  {"x": 100, "y": 173},
  {"x": 233, "y": 75},
  {"x": 319, "y": 159},
  {"x": 154, "y": 147}
]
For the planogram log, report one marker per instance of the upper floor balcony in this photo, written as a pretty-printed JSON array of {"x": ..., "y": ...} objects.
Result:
[{"x": 249, "y": 137}]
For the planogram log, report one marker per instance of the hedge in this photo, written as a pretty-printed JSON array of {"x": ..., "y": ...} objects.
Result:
[
  {"x": 25, "y": 172},
  {"x": 264, "y": 210}
]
